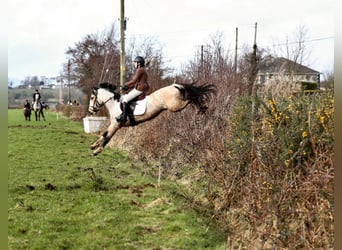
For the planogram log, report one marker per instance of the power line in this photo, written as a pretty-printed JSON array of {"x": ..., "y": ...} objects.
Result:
[
  {"x": 265, "y": 46},
  {"x": 304, "y": 41}
]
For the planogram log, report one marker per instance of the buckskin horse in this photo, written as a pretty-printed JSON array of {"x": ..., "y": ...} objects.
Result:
[{"x": 173, "y": 98}]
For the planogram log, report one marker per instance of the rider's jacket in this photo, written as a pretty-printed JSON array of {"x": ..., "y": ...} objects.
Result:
[
  {"x": 36, "y": 97},
  {"x": 139, "y": 80}
]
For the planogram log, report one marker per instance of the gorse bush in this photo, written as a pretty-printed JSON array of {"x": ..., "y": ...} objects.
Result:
[
  {"x": 301, "y": 124},
  {"x": 240, "y": 142},
  {"x": 275, "y": 186}
]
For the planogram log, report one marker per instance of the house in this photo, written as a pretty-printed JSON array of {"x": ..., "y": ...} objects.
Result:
[{"x": 273, "y": 69}]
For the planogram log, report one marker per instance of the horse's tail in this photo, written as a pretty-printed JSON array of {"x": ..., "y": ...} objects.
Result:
[{"x": 199, "y": 96}]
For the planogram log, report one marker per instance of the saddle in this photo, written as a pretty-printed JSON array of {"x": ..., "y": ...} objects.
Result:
[{"x": 137, "y": 107}]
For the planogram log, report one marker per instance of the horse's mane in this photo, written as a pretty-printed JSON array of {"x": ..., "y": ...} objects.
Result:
[
  {"x": 107, "y": 85},
  {"x": 111, "y": 88}
]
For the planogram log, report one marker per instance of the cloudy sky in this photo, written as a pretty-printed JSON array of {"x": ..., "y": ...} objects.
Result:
[{"x": 40, "y": 31}]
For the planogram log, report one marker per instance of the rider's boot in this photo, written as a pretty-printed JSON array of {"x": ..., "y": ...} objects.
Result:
[{"x": 123, "y": 117}]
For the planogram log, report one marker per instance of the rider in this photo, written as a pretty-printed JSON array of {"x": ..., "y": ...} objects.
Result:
[
  {"x": 36, "y": 96},
  {"x": 27, "y": 105},
  {"x": 140, "y": 84}
]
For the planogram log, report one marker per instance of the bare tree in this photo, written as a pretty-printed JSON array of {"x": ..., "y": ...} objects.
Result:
[
  {"x": 151, "y": 50},
  {"x": 294, "y": 48},
  {"x": 94, "y": 59},
  {"x": 212, "y": 62}
]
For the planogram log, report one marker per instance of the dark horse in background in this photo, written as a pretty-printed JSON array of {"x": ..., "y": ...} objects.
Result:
[
  {"x": 38, "y": 110},
  {"x": 27, "y": 113}
]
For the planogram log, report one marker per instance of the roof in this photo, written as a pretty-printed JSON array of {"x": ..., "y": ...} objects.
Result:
[{"x": 278, "y": 64}]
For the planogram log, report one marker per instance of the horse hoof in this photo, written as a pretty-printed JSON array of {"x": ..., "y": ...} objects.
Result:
[
  {"x": 95, "y": 153},
  {"x": 94, "y": 146}
]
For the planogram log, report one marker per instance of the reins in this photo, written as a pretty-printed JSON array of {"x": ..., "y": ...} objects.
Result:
[{"x": 98, "y": 105}]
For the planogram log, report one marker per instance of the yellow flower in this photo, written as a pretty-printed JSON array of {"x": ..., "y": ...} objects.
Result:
[
  {"x": 271, "y": 102},
  {"x": 267, "y": 185},
  {"x": 304, "y": 134}
]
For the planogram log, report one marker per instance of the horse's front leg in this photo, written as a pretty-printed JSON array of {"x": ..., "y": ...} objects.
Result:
[
  {"x": 104, "y": 139},
  {"x": 97, "y": 143}
]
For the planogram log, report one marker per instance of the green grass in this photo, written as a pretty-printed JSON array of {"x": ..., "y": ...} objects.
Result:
[{"x": 61, "y": 197}]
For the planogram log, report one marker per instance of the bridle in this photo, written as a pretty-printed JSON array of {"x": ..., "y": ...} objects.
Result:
[{"x": 97, "y": 105}]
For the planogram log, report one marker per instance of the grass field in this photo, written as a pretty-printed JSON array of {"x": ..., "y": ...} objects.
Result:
[{"x": 61, "y": 197}]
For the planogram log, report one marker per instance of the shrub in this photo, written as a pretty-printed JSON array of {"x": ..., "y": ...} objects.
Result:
[{"x": 275, "y": 186}]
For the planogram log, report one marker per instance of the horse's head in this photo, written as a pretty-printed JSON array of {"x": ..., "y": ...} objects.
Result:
[
  {"x": 94, "y": 105},
  {"x": 100, "y": 96}
]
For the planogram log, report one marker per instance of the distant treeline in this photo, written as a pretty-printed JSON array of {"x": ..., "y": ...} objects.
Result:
[{"x": 17, "y": 97}]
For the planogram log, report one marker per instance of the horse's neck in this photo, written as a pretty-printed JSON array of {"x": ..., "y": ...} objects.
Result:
[
  {"x": 113, "y": 108},
  {"x": 109, "y": 102}
]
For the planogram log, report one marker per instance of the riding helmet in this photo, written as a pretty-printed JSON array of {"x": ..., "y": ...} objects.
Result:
[{"x": 140, "y": 60}]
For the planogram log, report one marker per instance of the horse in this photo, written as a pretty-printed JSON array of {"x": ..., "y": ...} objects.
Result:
[
  {"x": 38, "y": 110},
  {"x": 173, "y": 98},
  {"x": 27, "y": 113}
]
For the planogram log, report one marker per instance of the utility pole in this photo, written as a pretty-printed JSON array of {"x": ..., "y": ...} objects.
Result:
[
  {"x": 60, "y": 90},
  {"x": 122, "y": 42},
  {"x": 236, "y": 51},
  {"x": 202, "y": 57},
  {"x": 202, "y": 62},
  {"x": 253, "y": 92},
  {"x": 69, "y": 96},
  {"x": 254, "y": 65}
]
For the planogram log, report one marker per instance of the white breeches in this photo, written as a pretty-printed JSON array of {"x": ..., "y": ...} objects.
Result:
[{"x": 131, "y": 95}]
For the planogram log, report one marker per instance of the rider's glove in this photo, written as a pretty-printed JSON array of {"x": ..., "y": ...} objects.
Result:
[{"x": 124, "y": 87}]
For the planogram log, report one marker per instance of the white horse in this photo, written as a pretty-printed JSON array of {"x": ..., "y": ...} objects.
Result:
[
  {"x": 174, "y": 98},
  {"x": 38, "y": 110}
]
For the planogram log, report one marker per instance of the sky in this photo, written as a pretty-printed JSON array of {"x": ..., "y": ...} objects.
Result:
[{"x": 40, "y": 31}]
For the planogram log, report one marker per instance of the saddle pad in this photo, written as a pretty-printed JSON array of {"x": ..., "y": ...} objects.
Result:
[{"x": 140, "y": 107}]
